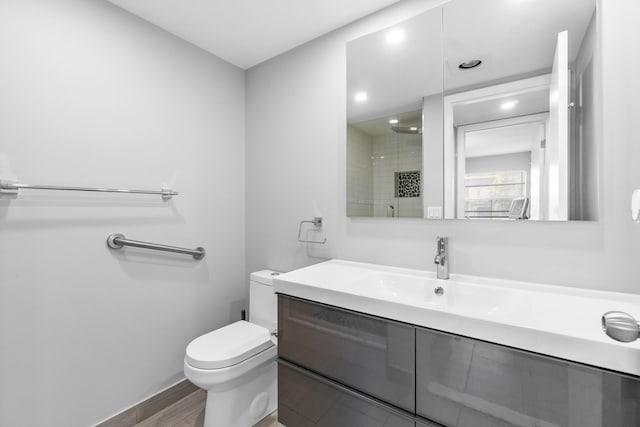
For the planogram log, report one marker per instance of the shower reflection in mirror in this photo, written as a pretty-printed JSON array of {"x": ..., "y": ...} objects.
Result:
[
  {"x": 386, "y": 161},
  {"x": 390, "y": 139}
]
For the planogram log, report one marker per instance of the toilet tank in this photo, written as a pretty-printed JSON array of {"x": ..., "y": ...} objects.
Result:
[{"x": 263, "y": 303}]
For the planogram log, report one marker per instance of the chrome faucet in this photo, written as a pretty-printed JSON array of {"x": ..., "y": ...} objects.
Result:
[{"x": 442, "y": 258}]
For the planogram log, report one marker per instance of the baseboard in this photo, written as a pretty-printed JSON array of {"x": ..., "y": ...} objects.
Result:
[{"x": 143, "y": 410}]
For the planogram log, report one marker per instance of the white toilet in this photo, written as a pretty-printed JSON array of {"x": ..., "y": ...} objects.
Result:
[{"x": 236, "y": 364}]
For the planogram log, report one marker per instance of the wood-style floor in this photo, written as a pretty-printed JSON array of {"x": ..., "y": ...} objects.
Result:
[{"x": 189, "y": 412}]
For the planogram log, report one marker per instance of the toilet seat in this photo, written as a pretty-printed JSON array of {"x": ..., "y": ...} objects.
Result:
[{"x": 228, "y": 345}]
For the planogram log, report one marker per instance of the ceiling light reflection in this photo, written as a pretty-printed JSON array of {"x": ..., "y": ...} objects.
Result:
[
  {"x": 508, "y": 105},
  {"x": 361, "y": 97},
  {"x": 395, "y": 36}
]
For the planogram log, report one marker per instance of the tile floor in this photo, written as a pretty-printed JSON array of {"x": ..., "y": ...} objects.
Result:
[{"x": 189, "y": 412}]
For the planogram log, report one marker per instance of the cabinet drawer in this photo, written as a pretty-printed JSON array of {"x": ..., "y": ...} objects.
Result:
[
  {"x": 467, "y": 383},
  {"x": 369, "y": 354},
  {"x": 306, "y": 400}
]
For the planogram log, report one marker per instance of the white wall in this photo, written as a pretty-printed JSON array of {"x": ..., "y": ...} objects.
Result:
[
  {"x": 307, "y": 87},
  {"x": 621, "y": 173},
  {"x": 91, "y": 96}
]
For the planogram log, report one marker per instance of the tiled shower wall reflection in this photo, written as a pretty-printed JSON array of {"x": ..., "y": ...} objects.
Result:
[
  {"x": 391, "y": 154},
  {"x": 373, "y": 163},
  {"x": 360, "y": 170}
]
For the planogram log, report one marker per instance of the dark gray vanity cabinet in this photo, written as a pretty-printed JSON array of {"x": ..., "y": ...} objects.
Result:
[
  {"x": 342, "y": 368},
  {"x": 306, "y": 400},
  {"x": 369, "y": 354},
  {"x": 463, "y": 382}
]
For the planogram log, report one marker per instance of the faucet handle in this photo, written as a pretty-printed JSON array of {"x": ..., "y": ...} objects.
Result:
[
  {"x": 442, "y": 244},
  {"x": 441, "y": 258}
]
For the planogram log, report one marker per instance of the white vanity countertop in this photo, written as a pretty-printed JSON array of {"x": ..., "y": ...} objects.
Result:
[{"x": 553, "y": 320}]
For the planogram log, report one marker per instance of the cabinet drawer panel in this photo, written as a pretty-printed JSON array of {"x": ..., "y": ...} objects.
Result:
[
  {"x": 306, "y": 400},
  {"x": 369, "y": 354},
  {"x": 467, "y": 383}
]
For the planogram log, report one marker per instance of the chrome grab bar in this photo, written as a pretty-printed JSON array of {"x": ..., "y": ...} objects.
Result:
[
  {"x": 10, "y": 187},
  {"x": 118, "y": 240}
]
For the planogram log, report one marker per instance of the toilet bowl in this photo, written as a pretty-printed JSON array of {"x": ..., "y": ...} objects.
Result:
[{"x": 236, "y": 364}]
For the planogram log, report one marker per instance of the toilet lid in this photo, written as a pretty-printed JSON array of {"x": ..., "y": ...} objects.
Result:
[{"x": 228, "y": 345}]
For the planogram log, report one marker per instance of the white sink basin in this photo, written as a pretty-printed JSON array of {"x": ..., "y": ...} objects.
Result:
[
  {"x": 424, "y": 291},
  {"x": 401, "y": 288},
  {"x": 553, "y": 320}
]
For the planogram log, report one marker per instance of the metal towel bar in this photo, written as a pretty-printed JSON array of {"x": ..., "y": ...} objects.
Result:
[
  {"x": 118, "y": 240},
  {"x": 10, "y": 187},
  {"x": 317, "y": 222}
]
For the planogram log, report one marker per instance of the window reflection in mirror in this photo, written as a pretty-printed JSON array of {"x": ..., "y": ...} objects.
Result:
[{"x": 520, "y": 124}]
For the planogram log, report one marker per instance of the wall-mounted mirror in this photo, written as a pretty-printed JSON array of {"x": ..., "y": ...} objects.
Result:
[{"x": 514, "y": 83}]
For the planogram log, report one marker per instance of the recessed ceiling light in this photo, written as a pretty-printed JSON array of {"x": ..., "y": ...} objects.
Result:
[
  {"x": 508, "y": 105},
  {"x": 467, "y": 65},
  {"x": 361, "y": 97},
  {"x": 413, "y": 129},
  {"x": 395, "y": 35},
  {"x": 393, "y": 121}
]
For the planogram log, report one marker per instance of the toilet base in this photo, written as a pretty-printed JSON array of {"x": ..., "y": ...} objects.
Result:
[{"x": 245, "y": 402}]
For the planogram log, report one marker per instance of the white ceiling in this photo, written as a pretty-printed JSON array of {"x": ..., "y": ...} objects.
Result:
[
  {"x": 512, "y": 37},
  {"x": 247, "y": 32},
  {"x": 382, "y": 126}
]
